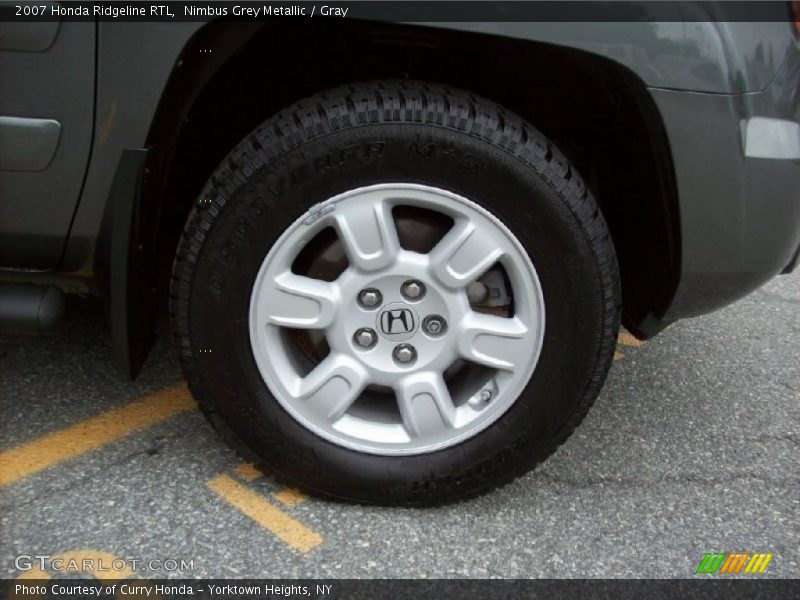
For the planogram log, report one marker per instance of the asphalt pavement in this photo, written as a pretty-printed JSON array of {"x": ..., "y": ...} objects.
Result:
[{"x": 692, "y": 447}]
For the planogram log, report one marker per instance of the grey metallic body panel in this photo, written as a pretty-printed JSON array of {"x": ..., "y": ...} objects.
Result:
[
  {"x": 698, "y": 56},
  {"x": 27, "y": 144},
  {"x": 33, "y": 36},
  {"x": 657, "y": 52},
  {"x": 128, "y": 92},
  {"x": 739, "y": 216},
  {"x": 36, "y": 207}
]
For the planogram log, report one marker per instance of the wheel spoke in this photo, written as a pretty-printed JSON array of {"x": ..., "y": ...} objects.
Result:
[
  {"x": 465, "y": 253},
  {"x": 494, "y": 341},
  {"x": 298, "y": 302},
  {"x": 368, "y": 234},
  {"x": 332, "y": 387},
  {"x": 425, "y": 404}
]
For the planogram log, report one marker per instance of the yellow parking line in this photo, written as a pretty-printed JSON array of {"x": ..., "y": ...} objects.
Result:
[
  {"x": 34, "y": 573},
  {"x": 618, "y": 355},
  {"x": 294, "y": 533},
  {"x": 82, "y": 437},
  {"x": 290, "y": 497},
  {"x": 247, "y": 472},
  {"x": 626, "y": 339}
]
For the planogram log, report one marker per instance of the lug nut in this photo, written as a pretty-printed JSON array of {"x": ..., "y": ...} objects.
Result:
[
  {"x": 405, "y": 354},
  {"x": 369, "y": 298},
  {"x": 481, "y": 400},
  {"x": 413, "y": 289},
  {"x": 434, "y": 324},
  {"x": 365, "y": 337}
]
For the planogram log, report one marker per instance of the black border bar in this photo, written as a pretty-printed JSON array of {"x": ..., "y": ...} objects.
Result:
[
  {"x": 401, "y": 589},
  {"x": 403, "y": 10}
]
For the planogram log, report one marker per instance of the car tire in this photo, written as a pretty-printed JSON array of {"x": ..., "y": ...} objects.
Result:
[{"x": 431, "y": 144}]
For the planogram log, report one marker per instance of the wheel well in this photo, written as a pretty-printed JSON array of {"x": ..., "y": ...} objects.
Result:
[{"x": 595, "y": 110}]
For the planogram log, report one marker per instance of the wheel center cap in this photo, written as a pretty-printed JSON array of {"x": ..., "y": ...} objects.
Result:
[{"x": 397, "y": 322}]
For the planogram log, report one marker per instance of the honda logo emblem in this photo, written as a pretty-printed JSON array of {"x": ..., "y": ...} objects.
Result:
[{"x": 397, "y": 321}]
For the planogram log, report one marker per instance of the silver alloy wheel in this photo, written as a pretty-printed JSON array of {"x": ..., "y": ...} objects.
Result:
[{"x": 426, "y": 416}]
